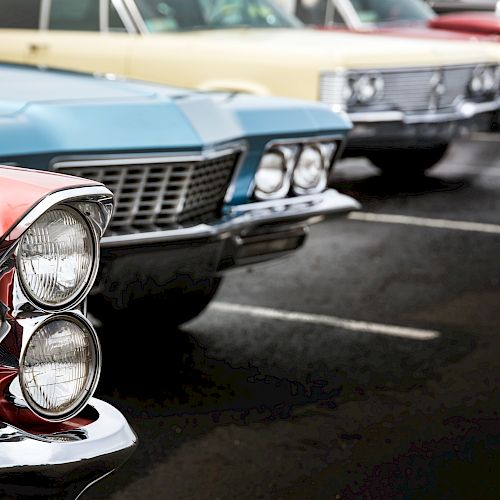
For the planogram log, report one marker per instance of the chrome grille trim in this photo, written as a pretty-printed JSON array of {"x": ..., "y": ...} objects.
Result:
[
  {"x": 408, "y": 90},
  {"x": 154, "y": 193}
]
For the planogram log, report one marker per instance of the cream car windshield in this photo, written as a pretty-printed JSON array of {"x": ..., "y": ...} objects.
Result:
[
  {"x": 184, "y": 15},
  {"x": 384, "y": 12}
]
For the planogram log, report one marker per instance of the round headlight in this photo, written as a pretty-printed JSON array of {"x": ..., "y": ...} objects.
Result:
[
  {"x": 59, "y": 368},
  {"x": 476, "y": 85},
  {"x": 310, "y": 173},
  {"x": 56, "y": 258},
  {"x": 489, "y": 80},
  {"x": 271, "y": 179},
  {"x": 368, "y": 87},
  {"x": 483, "y": 81}
]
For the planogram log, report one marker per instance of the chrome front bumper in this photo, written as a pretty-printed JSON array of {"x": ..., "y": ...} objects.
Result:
[
  {"x": 241, "y": 219},
  {"x": 390, "y": 129},
  {"x": 135, "y": 267},
  {"x": 64, "y": 464},
  {"x": 464, "y": 111}
]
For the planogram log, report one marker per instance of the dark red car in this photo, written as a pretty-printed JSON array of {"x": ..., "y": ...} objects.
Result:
[
  {"x": 55, "y": 439},
  {"x": 411, "y": 18}
]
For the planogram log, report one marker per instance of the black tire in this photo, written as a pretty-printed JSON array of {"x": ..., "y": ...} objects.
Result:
[
  {"x": 170, "y": 309},
  {"x": 408, "y": 162}
]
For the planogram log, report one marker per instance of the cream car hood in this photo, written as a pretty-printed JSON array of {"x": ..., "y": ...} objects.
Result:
[{"x": 330, "y": 50}]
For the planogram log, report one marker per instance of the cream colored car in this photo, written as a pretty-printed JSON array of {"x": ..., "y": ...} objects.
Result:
[{"x": 406, "y": 97}]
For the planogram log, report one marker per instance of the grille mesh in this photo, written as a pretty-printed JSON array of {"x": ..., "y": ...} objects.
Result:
[{"x": 154, "y": 196}]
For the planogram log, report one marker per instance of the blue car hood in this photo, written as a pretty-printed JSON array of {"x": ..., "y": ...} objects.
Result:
[{"x": 57, "y": 111}]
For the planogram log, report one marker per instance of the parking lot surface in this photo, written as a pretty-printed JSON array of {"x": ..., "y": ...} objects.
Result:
[{"x": 364, "y": 366}]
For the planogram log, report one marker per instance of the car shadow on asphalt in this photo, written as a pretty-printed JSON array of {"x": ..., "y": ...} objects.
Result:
[{"x": 382, "y": 187}]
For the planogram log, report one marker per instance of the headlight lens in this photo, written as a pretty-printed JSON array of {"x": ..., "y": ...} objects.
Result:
[
  {"x": 363, "y": 89},
  {"x": 368, "y": 87},
  {"x": 310, "y": 171},
  {"x": 60, "y": 367},
  {"x": 56, "y": 257},
  {"x": 484, "y": 81},
  {"x": 271, "y": 179}
]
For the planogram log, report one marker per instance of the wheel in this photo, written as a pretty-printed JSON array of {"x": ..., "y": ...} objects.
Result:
[
  {"x": 170, "y": 309},
  {"x": 404, "y": 162}
]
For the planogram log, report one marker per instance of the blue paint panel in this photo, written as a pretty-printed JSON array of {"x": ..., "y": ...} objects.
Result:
[{"x": 44, "y": 113}]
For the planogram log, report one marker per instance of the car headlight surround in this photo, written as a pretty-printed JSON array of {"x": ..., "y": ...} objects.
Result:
[
  {"x": 57, "y": 258},
  {"x": 310, "y": 174},
  {"x": 363, "y": 88},
  {"x": 59, "y": 367},
  {"x": 484, "y": 81},
  {"x": 272, "y": 179}
]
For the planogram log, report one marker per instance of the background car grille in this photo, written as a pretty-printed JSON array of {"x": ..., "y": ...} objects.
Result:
[
  {"x": 410, "y": 90},
  {"x": 160, "y": 195}
]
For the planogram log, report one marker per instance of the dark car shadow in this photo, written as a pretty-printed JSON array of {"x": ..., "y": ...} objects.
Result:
[
  {"x": 383, "y": 186},
  {"x": 171, "y": 373}
]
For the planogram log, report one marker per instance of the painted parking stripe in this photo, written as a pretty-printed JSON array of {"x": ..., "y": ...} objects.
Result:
[
  {"x": 476, "y": 227},
  {"x": 332, "y": 321},
  {"x": 485, "y": 137}
]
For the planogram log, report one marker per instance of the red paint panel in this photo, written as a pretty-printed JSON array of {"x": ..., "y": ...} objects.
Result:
[
  {"x": 21, "y": 189},
  {"x": 471, "y": 22}
]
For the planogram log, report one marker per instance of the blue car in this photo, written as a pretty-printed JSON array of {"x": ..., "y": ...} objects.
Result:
[{"x": 203, "y": 182}]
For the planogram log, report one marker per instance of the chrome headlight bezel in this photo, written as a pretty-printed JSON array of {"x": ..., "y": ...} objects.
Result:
[
  {"x": 292, "y": 150},
  {"x": 284, "y": 156},
  {"x": 363, "y": 89},
  {"x": 326, "y": 152},
  {"x": 82, "y": 289},
  {"x": 484, "y": 81},
  {"x": 90, "y": 386}
]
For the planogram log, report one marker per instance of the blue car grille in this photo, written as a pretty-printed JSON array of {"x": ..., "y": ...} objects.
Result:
[{"x": 162, "y": 193}]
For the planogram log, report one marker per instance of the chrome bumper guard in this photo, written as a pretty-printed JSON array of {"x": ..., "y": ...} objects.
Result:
[
  {"x": 66, "y": 462},
  {"x": 242, "y": 218}
]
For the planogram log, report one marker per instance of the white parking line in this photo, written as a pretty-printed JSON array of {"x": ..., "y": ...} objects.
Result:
[
  {"x": 320, "y": 319},
  {"x": 477, "y": 227},
  {"x": 486, "y": 137}
]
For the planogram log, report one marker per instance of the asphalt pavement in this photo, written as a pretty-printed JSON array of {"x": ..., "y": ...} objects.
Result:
[{"x": 364, "y": 366}]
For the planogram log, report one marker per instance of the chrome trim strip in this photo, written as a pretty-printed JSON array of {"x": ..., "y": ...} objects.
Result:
[
  {"x": 136, "y": 16},
  {"x": 66, "y": 195},
  {"x": 348, "y": 13},
  {"x": 59, "y": 163},
  {"x": 104, "y": 16},
  {"x": 107, "y": 435},
  {"x": 411, "y": 69},
  {"x": 44, "y": 15},
  {"x": 243, "y": 217},
  {"x": 124, "y": 15}
]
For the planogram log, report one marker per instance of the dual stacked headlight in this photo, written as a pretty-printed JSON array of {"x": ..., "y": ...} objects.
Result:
[
  {"x": 294, "y": 168},
  {"x": 57, "y": 259},
  {"x": 485, "y": 80}
]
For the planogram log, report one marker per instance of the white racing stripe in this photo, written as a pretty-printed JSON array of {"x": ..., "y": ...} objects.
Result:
[
  {"x": 333, "y": 321},
  {"x": 477, "y": 227}
]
